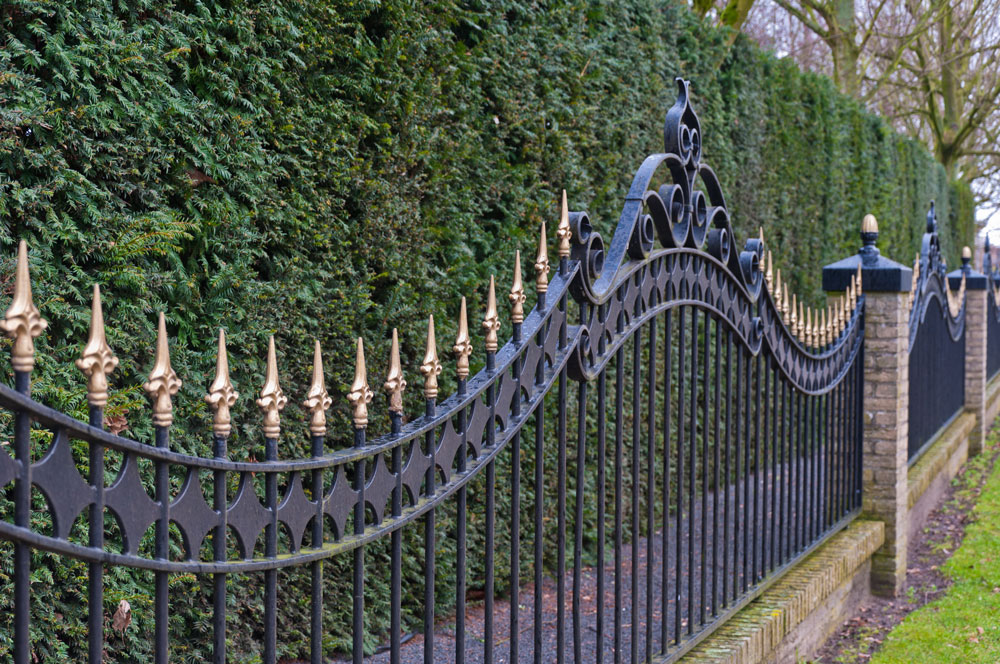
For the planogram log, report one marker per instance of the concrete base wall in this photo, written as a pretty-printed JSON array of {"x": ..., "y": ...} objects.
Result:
[
  {"x": 794, "y": 616},
  {"x": 929, "y": 478}
]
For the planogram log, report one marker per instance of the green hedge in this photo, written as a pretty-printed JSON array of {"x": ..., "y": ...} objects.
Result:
[{"x": 333, "y": 169}]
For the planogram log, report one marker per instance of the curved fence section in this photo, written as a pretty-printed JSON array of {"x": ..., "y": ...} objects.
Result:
[
  {"x": 693, "y": 429},
  {"x": 937, "y": 344}
]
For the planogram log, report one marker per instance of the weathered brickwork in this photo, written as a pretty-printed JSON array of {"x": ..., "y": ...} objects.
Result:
[
  {"x": 886, "y": 430},
  {"x": 756, "y": 632},
  {"x": 975, "y": 366}
]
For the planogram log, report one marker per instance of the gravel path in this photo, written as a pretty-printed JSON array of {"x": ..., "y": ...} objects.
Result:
[{"x": 648, "y": 558}]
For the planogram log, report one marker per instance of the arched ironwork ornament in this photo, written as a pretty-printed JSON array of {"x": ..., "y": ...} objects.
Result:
[{"x": 930, "y": 284}]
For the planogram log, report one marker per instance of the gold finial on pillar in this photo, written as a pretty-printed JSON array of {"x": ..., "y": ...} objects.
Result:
[
  {"x": 491, "y": 322},
  {"x": 221, "y": 394},
  {"x": 563, "y": 232},
  {"x": 431, "y": 367},
  {"x": 869, "y": 224},
  {"x": 966, "y": 253},
  {"x": 163, "y": 381},
  {"x": 394, "y": 381},
  {"x": 542, "y": 263},
  {"x": 517, "y": 296},
  {"x": 360, "y": 395},
  {"x": 97, "y": 361},
  {"x": 317, "y": 398},
  {"x": 23, "y": 322},
  {"x": 463, "y": 345},
  {"x": 272, "y": 400}
]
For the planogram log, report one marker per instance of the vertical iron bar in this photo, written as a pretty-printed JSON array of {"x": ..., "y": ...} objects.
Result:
[
  {"x": 739, "y": 498},
  {"x": 491, "y": 398},
  {"x": 220, "y": 503},
  {"x": 601, "y": 507},
  {"x": 515, "y": 503},
  {"x": 271, "y": 551},
  {"x": 316, "y": 592},
  {"x": 161, "y": 550},
  {"x": 705, "y": 368},
  {"x": 396, "y": 575},
  {"x": 650, "y": 482},
  {"x": 759, "y": 529},
  {"x": 783, "y": 513},
  {"x": 636, "y": 451},
  {"x": 581, "y": 461},
  {"x": 773, "y": 438},
  {"x": 728, "y": 478},
  {"x": 22, "y": 519},
  {"x": 665, "y": 534},
  {"x": 460, "y": 534},
  {"x": 716, "y": 440},
  {"x": 619, "y": 463},
  {"x": 679, "y": 530},
  {"x": 748, "y": 386},
  {"x": 692, "y": 468},
  {"x": 430, "y": 480},
  {"x": 95, "y": 604},
  {"x": 539, "y": 520},
  {"x": 561, "y": 523}
]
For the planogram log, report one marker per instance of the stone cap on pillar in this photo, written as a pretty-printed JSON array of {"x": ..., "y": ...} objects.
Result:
[
  {"x": 973, "y": 280},
  {"x": 878, "y": 273}
]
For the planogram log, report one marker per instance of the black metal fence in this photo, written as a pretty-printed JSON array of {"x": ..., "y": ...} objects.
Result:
[
  {"x": 716, "y": 441},
  {"x": 937, "y": 344}
]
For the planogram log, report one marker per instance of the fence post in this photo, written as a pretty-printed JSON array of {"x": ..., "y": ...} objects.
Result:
[
  {"x": 975, "y": 346},
  {"x": 886, "y": 285}
]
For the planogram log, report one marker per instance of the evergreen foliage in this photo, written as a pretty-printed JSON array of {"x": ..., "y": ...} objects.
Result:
[{"x": 328, "y": 169}]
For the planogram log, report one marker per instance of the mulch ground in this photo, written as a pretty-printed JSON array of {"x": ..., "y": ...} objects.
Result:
[{"x": 861, "y": 636}]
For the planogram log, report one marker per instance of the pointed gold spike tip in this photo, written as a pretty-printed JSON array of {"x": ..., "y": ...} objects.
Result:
[
  {"x": 272, "y": 400},
  {"x": 431, "y": 366},
  {"x": 563, "y": 232},
  {"x": 517, "y": 296},
  {"x": 769, "y": 272},
  {"x": 542, "y": 263},
  {"x": 163, "y": 381},
  {"x": 317, "y": 398},
  {"x": 360, "y": 395},
  {"x": 463, "y": 344},
  {"x": 23, "y": 322},
  {"x": 491, "y": 322},
  {"x": 221, "y": 395},
  {"x": 761, "y": 236},
  {"x": 394, "y": 381},
  {"x": 97, "y": 361}
]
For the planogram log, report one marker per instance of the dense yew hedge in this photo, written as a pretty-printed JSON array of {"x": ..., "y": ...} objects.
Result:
[{"x": 333, "y": 169}]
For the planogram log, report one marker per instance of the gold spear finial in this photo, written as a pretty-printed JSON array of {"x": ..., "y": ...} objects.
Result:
[
  {"x": 394, "y": 381},
  {"x": 768, "y": 273},
  {"x": 916, "y": 278},
  {"x": 793, "y": 318},
  {"x": 491, "y": 322},
  {"x": 431, "y": 367},
  {"x": 761, "y": 237},
  {"x": 801, "y": 323},
  {"x": 221, "y": 394},
  {"x": 97, "y": 361},
  {"x": 163, "y": 381},
  {"x": 542, "y": 263},
  {"x": 272, "y": 400},
  {"x": 317, "y": 398},
  {"x": 857, "y": 292},
  {"x": 463, "y": 345},
  {"x": 563, "y": 232},
  {"x": 810, "y": 333},
  {"x": 517, "y": 296},
  {"x": 23, "y": 322},
  {"x": 786, "y": 312},
  {"x": 777, "y": 290},
  {"x": 360, "y": 395}
]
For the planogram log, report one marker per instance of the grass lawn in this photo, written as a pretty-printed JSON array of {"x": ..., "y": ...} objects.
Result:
[{"x": 964, "y": 624}]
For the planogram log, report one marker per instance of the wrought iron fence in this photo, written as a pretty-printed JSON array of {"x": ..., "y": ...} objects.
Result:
[
  {"x": 992, "y": 312},
  {"x": 937, "y": 344},
  {"x": 735, "y": 446}
]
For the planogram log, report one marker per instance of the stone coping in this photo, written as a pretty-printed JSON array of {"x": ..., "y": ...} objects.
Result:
[
  {"x": 935, "y": 458},
  {"x": 755, "y": 632}
]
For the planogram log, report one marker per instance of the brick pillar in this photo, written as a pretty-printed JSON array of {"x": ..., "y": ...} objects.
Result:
[
  {"x": 975, "y": 346},
  {"x": 886, "y": 285}
]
